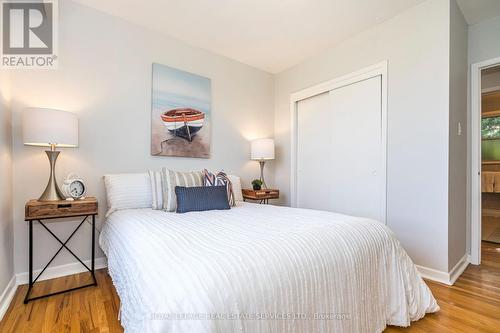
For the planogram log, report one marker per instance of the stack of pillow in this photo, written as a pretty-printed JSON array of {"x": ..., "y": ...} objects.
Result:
[{"x": 172, "y": 191}]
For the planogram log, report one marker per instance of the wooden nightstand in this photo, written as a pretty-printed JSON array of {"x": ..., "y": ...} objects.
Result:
[
  {"x": 262, "y": 195},
  {"x": 45, "y": 210}
]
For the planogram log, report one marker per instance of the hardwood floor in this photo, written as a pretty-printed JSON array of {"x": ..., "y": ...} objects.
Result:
[
  {"x": 92, "y": 310},
  {"x": 471, "y": 305}
]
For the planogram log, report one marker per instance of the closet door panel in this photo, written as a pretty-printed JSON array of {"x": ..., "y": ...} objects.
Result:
[
  {"x": 313, "y": 157},
  {"x": 340, "y": 150}
]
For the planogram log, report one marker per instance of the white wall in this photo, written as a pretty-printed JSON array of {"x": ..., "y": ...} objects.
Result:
[
  {"x": 416, "y": 44},
  {"x": 6, "y": 232},
  {"x": 457, "y": 202},
  {"x": 484, "y": 40},
  {"x": 104, "y": 76}
]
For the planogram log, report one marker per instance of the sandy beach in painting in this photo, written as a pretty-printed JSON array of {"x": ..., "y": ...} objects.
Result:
[{"x": 176, "y": 146}]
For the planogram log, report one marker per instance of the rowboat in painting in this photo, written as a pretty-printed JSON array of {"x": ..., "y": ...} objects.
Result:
[{"x": 183, "y": 122}]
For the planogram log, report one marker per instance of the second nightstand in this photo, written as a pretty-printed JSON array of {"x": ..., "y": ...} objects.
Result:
[
  {"x": 262, "y": 195},
  {"x": 43, "y": 210}
]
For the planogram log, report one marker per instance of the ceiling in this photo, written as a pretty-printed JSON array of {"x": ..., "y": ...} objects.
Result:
[
  {"x": 272, "y": 35},
  {"x": 268, "y": 34},
  {"x": 479, "y": 10}
]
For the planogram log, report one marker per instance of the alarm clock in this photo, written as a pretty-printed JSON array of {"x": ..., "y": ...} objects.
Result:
[{"x": 73, "y": 187}]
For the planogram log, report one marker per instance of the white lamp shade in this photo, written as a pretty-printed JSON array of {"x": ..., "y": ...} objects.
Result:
[
  {"x": 262, "y": 149},
  {"x": 45, "y": 127}
]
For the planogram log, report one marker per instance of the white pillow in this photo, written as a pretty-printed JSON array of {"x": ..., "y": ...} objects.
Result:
[
  {"x": 127, "y": 191},
  {"x": 236, "y": 183}
]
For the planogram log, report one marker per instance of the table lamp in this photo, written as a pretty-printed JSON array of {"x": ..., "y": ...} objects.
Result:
[
  {"x": 50, "y": 128},
  {"x": 262, "y": 150}
]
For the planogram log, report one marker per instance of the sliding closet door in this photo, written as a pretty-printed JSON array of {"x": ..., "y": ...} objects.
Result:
[{"x": 339, "y": 150}]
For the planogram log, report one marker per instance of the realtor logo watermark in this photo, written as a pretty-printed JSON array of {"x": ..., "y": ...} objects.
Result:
[{"x": 29, "y": 34}]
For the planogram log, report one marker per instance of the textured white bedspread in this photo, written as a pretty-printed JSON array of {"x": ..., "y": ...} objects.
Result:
[{"x": 260, "y": 268}]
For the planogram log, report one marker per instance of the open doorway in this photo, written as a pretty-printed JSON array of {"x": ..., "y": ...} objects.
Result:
[
  {"x": 484, "y": 171},
  {"x": 490, "y": 155}
]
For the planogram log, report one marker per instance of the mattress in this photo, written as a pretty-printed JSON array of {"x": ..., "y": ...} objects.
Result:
[{"x": 260, "y": 268}]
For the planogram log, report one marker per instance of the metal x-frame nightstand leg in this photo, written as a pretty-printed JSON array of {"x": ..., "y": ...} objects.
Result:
[{"x": 63, "y": 245}]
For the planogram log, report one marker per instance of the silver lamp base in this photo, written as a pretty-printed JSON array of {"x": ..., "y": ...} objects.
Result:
[
  {"x": 52, "y": 191},
  {"x": 262, "y": 162}
]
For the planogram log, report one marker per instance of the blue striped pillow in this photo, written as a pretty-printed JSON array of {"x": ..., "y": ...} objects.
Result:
[{"x": 201, "y": 198}]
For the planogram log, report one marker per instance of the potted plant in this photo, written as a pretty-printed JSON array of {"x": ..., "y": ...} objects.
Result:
[{"x": 256, "y": 184}]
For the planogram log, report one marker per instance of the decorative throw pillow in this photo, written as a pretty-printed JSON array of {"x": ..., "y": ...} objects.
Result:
[
  {"x": 236, "y": 185},
  {"x": 156, "y": 189},
  {"x": 170, "y": 179},
  {"x": 220, "y": 179},
  {"x": 201, "y": 198}
]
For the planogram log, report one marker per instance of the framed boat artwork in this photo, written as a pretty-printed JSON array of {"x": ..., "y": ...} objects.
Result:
[{"x": 180, "y": 113}]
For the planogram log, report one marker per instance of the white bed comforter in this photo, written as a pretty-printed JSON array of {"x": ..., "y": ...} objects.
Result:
[{"x": 258, "y": 268}]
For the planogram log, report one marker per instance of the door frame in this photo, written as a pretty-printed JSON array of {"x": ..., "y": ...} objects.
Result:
[
  {"x": 475, "y": 158},
  {"x": 379, "y": 69}
]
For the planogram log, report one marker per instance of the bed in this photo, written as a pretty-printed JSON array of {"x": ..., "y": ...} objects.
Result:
[{"x": 260, "y": 268}]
